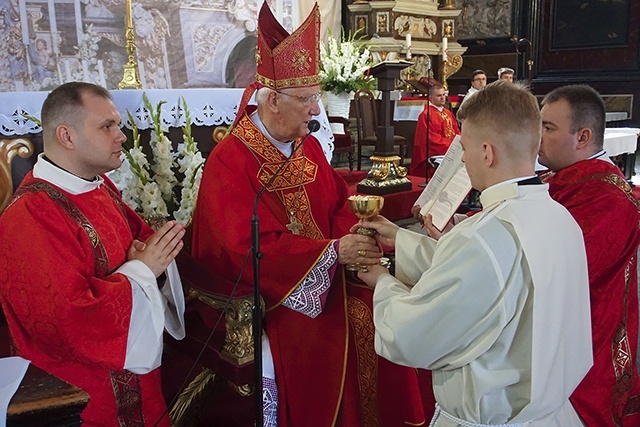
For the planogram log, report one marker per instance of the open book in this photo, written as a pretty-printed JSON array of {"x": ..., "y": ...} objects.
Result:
[{"x": 447, "y": 188}]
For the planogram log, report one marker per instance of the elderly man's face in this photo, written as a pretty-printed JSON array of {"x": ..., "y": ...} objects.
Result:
[
  {"x": 479, "y": 81},
  {"x": 298, "y": 106}
]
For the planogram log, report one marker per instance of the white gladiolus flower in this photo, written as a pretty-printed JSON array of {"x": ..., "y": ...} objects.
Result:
[
  {"x": 343, "y": 65},
  {"x": 167, "y": 184}
]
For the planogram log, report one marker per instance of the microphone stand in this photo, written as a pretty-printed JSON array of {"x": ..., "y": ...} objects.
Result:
[
  {"x": 256, "y": 310},
  {"x": 426, "y": 148}
]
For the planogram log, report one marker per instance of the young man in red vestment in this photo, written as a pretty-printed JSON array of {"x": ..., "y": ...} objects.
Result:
[
  {"x": 77, "y": 284},
  {"x": 320, "y": 367},
  {"x": 437, "y": 126},
  {"x": 596, "y": 193}
]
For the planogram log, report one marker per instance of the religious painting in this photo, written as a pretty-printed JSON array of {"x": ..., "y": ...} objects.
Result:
[
  {"x": 182, "y": 43},
  {"x": 481, "y": 19},
  {"x": 580, "y": 24},
  {"x": 382, "y": 22},
  {"x": 362, "y": 24}
]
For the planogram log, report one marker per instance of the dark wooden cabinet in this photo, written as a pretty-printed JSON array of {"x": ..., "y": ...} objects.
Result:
[{"x": 43, "y": 400}]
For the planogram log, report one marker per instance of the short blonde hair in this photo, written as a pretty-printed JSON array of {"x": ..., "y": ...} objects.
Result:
[{"x": 508, "y": 114}]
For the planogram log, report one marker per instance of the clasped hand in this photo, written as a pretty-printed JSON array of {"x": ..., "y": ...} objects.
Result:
[{"x": 160, "y": 249}]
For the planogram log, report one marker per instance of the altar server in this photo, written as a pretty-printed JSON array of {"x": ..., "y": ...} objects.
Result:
[{"x": 498, "y": 307}]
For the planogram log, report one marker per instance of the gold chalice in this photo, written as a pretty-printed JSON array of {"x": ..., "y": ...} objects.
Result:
[{"x": 365, "y": 208}]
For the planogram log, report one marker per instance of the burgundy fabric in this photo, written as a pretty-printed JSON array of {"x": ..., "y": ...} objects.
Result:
[{"x": 599, "y": 198}]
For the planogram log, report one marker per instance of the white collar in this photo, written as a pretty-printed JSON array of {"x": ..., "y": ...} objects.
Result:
[
  {"x": 505, "y": 190},
  {"x": 68, "y": 182},
  {"x": 436, "y": 107},
  {"x": 284, "y": 147}
]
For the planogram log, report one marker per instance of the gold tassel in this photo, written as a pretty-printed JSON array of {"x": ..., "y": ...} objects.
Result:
[{"x": 189, "y": 395}]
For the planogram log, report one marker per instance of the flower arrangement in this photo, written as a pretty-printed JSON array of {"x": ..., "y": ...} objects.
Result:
[
  {"x": 343, "y": 64},
  {"x": 167, "y": 185}
]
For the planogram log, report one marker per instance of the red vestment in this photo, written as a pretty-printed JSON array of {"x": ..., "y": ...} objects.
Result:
[
  {"x": 326, "y": 368},
  {"x": 601, "y": 201},
  {"x": 67, "y": 311},
  {"x": 443, "y": 127}
]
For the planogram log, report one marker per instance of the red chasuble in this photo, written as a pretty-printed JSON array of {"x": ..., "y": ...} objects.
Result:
[
  {"x": 601, "y": 201},
  {"x": 326, "y": 368},
  {"x": 443, "y": 127},
  {"x": 67, "y": 312}
]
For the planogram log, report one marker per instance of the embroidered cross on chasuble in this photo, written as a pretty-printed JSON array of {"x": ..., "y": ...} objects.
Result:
[{"x": 289, "y": 185}]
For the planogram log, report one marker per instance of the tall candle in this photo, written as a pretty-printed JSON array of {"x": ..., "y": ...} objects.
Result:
[
  {"x": 78, "y": 13},
  {"x": 408, "y": 42},
  {"x": 445, "y": 45},
  {"x": 67, "y": 70},
  {"x": 85, "y": 70},
  {"x": 103, "y": 82},
  {"x": 24, "y": 22},
  {"x": 53, "y": 25},
  {"x": 143, "y": 81},
  {"x": 128, "y": 14}
]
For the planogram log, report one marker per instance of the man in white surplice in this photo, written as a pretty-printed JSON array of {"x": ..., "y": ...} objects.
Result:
[{"x": 498, "y": 308}]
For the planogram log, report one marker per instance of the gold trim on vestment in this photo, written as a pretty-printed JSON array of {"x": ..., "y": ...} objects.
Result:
[
  {"x": 623, "y": 185},
  {"x": 361, "y": 320},
  {"x": 346, "y": 346},
  {"x": 448, "y": 128}
]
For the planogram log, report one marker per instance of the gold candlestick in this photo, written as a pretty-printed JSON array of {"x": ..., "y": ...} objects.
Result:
[{"x": 131, "y": 78}]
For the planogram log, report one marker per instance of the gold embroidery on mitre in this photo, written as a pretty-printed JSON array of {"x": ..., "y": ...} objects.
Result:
[
  {"x": 258, "y": 57},
  {"x": 287, "y": 83},
  {"x": 361, "y": 321},
  {"x": 301, "y": 60}
]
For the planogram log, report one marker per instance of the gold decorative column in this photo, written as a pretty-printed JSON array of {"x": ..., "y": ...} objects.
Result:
[
  {"x": 450, "y": 63},
  {"x": 131, "y": 78}
]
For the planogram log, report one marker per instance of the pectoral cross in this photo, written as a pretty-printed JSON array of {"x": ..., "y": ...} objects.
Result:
[{"x": 294, "y": 226}]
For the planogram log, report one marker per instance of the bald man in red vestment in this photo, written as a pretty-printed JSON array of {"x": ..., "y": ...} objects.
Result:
[
  {"x": 320, "y": 366},
  {"x": 77, "y": 284},
  {"x": 594, "y": 190}
]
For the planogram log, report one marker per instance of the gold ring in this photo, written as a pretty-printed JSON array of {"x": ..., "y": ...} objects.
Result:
[{"x": 362, "y": 252}]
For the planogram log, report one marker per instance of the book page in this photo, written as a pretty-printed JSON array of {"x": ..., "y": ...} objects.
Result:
[{"x": 447, "y": 189}]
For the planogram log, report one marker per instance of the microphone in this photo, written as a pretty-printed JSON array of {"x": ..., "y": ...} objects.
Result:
[
  {"x": 312, "y": 126},
  {"x": 256, "y": 311}
]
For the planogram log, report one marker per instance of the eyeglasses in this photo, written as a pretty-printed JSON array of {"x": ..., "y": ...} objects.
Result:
[{"x": 306, "y": 100}]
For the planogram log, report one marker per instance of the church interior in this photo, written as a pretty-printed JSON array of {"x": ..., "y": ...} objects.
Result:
[{"x": 184, "y": 65}]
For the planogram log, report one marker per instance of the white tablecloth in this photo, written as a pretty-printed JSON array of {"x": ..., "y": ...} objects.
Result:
[
  {"x": 207, "y": 107},
  {"x": 410, "y": 110},
  {"x": 620, "y": 140}
]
